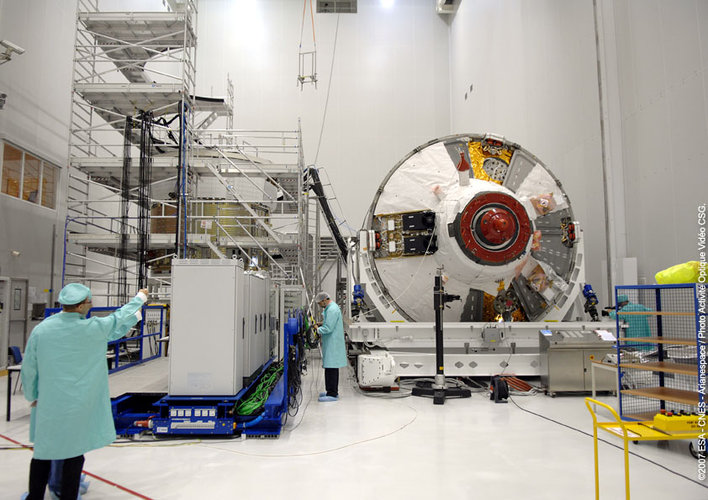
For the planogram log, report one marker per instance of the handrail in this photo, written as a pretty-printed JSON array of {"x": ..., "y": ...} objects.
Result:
[
  {"x": 589, "y": 401},
  {"x": 114, "y": 345}
]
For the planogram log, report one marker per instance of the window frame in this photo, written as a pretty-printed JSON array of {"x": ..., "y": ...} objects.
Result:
[
  {"x": 37, "y": 179},
  {"x": 2, "y": 170},
  {"x": 55, "y": 183},
  {"x": 43, "y": 164}
]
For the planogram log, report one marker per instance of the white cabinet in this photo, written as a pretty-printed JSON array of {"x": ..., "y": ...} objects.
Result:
[
  {"x": 256, "y": 323},
  {"x": 206, "y": 320}
]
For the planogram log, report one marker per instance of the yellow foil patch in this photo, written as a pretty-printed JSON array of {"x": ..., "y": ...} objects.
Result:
[{"x": 477, "y": 157}]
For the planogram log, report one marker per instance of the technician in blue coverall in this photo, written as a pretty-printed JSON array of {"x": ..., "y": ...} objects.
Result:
[
  {"x": 334, "y": 355},
  {"x": 65, "y": 376}
]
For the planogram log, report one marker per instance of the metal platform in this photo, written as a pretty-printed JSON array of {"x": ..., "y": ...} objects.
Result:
[
  {"x": 106, "y": 244},
  {"x": 198, "y": 415},
  {"x": 146, "y": 29},
  {"x": 165, "y": 241},
  {"x": 131, "y": 39},
  {"x": 125, "y": 99},
  {"x": 109, "y": 170}
]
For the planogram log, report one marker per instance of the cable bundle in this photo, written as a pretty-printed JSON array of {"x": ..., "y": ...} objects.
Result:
[
  {"x": 297, "y": 365},
  {"x": 517, "y": 384},
  {"x": 313, "y": 338},
  {"x": 254, "y": 403}
]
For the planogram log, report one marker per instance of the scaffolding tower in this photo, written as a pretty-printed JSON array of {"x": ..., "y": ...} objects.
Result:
[{"x": 149, "y": 177}]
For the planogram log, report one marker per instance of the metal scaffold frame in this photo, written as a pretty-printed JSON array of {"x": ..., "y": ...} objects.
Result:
[{"x": 232, "y": 193}]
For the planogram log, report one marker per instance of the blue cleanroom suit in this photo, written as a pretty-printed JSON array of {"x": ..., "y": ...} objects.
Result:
[
  {"x": 65, "y": 371},
  {"x": 334, "y": 354}
]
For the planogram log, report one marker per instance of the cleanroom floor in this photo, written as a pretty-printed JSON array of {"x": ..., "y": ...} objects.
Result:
[{"x": 371, "y": 447}]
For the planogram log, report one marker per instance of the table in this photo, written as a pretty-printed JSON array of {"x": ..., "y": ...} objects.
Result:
[
  {"x": 10, "y": 370},
  {"x": 628, "y": 431},
  {"x": 595, "y": 364}
]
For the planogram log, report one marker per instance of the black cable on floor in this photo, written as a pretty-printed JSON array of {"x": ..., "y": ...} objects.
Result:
[
  {"x": 314, "y": 381},
  {"x": 607, "y": 442}
]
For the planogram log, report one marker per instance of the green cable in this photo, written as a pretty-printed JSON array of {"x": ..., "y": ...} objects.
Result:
[{"x": 257, "y": 399}]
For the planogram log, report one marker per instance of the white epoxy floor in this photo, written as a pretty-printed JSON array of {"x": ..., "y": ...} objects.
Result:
[{"x": 364, "y": 447}]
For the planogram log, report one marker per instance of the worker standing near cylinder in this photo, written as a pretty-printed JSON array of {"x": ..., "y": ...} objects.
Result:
[
  {"x": 334, "y": 354},
  {"x": 65, "y": 377}
]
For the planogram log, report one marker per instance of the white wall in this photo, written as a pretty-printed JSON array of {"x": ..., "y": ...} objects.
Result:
[
  {"x": 533, "y": 72},
  {"x": 662, "y": 52},
  {"x": 399, "y": 79},
  {"x": 389, "y": 90},
  {"x": 36, "y": 117},
  {"x": 38, "y": 82}
]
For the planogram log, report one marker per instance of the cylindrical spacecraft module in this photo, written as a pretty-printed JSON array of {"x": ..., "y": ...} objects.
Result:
[{"x": 488, "y": 212}]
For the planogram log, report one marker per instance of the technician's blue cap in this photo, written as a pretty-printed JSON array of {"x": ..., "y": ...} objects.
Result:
[
  {"x": 74, "y": 293},
  {"x": 622, "y": 298}
]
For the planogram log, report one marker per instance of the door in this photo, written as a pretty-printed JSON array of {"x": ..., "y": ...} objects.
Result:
[
  {"x": 4, "y": 320},
  {"x": 202, "y": 329},
  {"x": 604, "y": 380},
  {"x": 18, "y": 313},
  {"x": 565, "y": 370}
]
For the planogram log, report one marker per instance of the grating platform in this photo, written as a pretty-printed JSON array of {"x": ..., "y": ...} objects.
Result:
[
  {"x": 109, "y": 170},
  {"x": 97, "y": 242}
]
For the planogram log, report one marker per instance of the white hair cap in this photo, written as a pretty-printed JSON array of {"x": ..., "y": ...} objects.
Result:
[{"x": 321, "y": 296}]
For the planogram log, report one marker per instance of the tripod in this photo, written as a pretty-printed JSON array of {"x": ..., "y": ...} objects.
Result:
[{"x": 439, "y": 389}]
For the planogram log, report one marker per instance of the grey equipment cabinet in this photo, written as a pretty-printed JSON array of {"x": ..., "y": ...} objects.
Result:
[
  {"x": 206, "y": 352},
  {"x": 566, "y": 357}
]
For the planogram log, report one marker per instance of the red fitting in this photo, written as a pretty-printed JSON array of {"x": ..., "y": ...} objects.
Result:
[
  {"x": 493, "y": 228},
  {"x": 143, "y": 423},
  {"x": 463, "y": 165},
  {"x": 498, "y": 226}
]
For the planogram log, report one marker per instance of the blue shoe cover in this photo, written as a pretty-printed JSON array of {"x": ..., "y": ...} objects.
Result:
[
  {"x": 327, "y": 399},
  {"x": 84, "y": 485},
  {"x": 55, "y": 496},
  {"x": 322, "y": 394}
]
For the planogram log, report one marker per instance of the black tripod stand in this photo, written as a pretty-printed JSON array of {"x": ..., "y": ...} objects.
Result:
[{"x": 439, "y": 389}]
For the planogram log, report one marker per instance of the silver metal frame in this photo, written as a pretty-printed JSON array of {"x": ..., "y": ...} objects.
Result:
[{"x": 125, "y": 62}]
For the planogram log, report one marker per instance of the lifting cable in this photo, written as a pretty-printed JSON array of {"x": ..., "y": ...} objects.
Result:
[
  {"x": 302, "y": 78},
  {"x": 329, "y": 87},
  {"x": 302, "y": 25}
]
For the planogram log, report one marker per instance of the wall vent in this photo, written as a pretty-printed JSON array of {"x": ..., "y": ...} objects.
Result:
[
  {"x": 447, "y": 6},
  {"x": 336, "y": 6}
]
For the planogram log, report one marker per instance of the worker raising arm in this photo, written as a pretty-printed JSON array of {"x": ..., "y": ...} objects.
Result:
[{"x": 65, "y": 376}]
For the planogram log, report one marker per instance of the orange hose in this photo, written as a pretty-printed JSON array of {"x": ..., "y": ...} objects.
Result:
[{"x": 518, "y": 384}]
